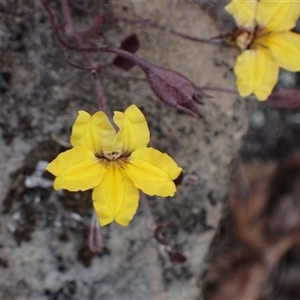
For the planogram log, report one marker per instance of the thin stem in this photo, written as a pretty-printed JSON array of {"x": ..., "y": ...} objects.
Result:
[
  {"x": 145, "y": 22},
  {"x": 53, "y": 20},
  {"x": 70, "y": 31},
  {"x": 92, "y": 30},
  {"x": 156, "y": 230},
  {"x": 218, "y": 89},
  {"x": 133, "y": 57},
  {"x": 99, "y": 67},
  {"x": 57, "y": 29},
  {"x": 142, "y": 63},
  {"x": 214, "y": 40}
]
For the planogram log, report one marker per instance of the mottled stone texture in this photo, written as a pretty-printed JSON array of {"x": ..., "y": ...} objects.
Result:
[{"x": 40, "y": 94}]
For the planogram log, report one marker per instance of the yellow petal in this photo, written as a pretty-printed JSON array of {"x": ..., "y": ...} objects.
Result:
[
  {"x": 116, "y": 198},
  {"x": 134, "y": 132},
  {"x": 243, "y": 12},
  {"x": 153, "y": 172},
  {"x": 277, "y": 15},
  {"x": 285, "y": 47},
  {"x": 76, "y": 170},
  {"x": 93, "y": 132},
  {"x": 256, "y": 73}
]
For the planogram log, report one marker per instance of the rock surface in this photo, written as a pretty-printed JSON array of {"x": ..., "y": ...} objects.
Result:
[{"x": 40, "y": 94}]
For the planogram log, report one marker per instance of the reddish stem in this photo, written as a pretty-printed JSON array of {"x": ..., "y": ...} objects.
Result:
[
  {"x": 218, "y": 89},
  {"x": 144, "y": 22},
  {"x": 214, "y": 40},
  {"x": 98, "y": 68},
  {"x": 86, "y": 50},
  {"x": 70, "y": 31}
]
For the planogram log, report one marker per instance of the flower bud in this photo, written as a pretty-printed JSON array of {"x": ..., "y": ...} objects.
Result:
[
  {"x": 95, "y": 241},
  {"x": 174, "y": 89}
]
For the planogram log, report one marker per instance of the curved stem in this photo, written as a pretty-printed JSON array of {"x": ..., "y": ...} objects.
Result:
[
  {"x": 99, "y": 67},
  {"x": 214, "y": 40},
  {"x": 148, "y": 23},
  {"x": 70, "y": 31}
]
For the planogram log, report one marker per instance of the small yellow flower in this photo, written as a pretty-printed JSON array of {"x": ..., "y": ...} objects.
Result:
[
  {"x": 114, "y": 164},
  {"x": 266, "y": 43}
]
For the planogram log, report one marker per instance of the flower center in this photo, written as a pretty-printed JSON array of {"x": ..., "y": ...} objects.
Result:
[
  {"x": 243, "y": 40},
  {"x": 246, "y": 39},
  {"x": 113, "y": 155}
]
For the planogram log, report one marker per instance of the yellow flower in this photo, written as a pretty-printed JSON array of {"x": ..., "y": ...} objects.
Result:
[
  {"x": 266, "y": 43},
  {"x": 114, "y": 164}
]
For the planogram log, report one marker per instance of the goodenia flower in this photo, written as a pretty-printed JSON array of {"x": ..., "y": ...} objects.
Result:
[
  {"x": 266, "y": 42},
  {"x": 114, "y": 164}
]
